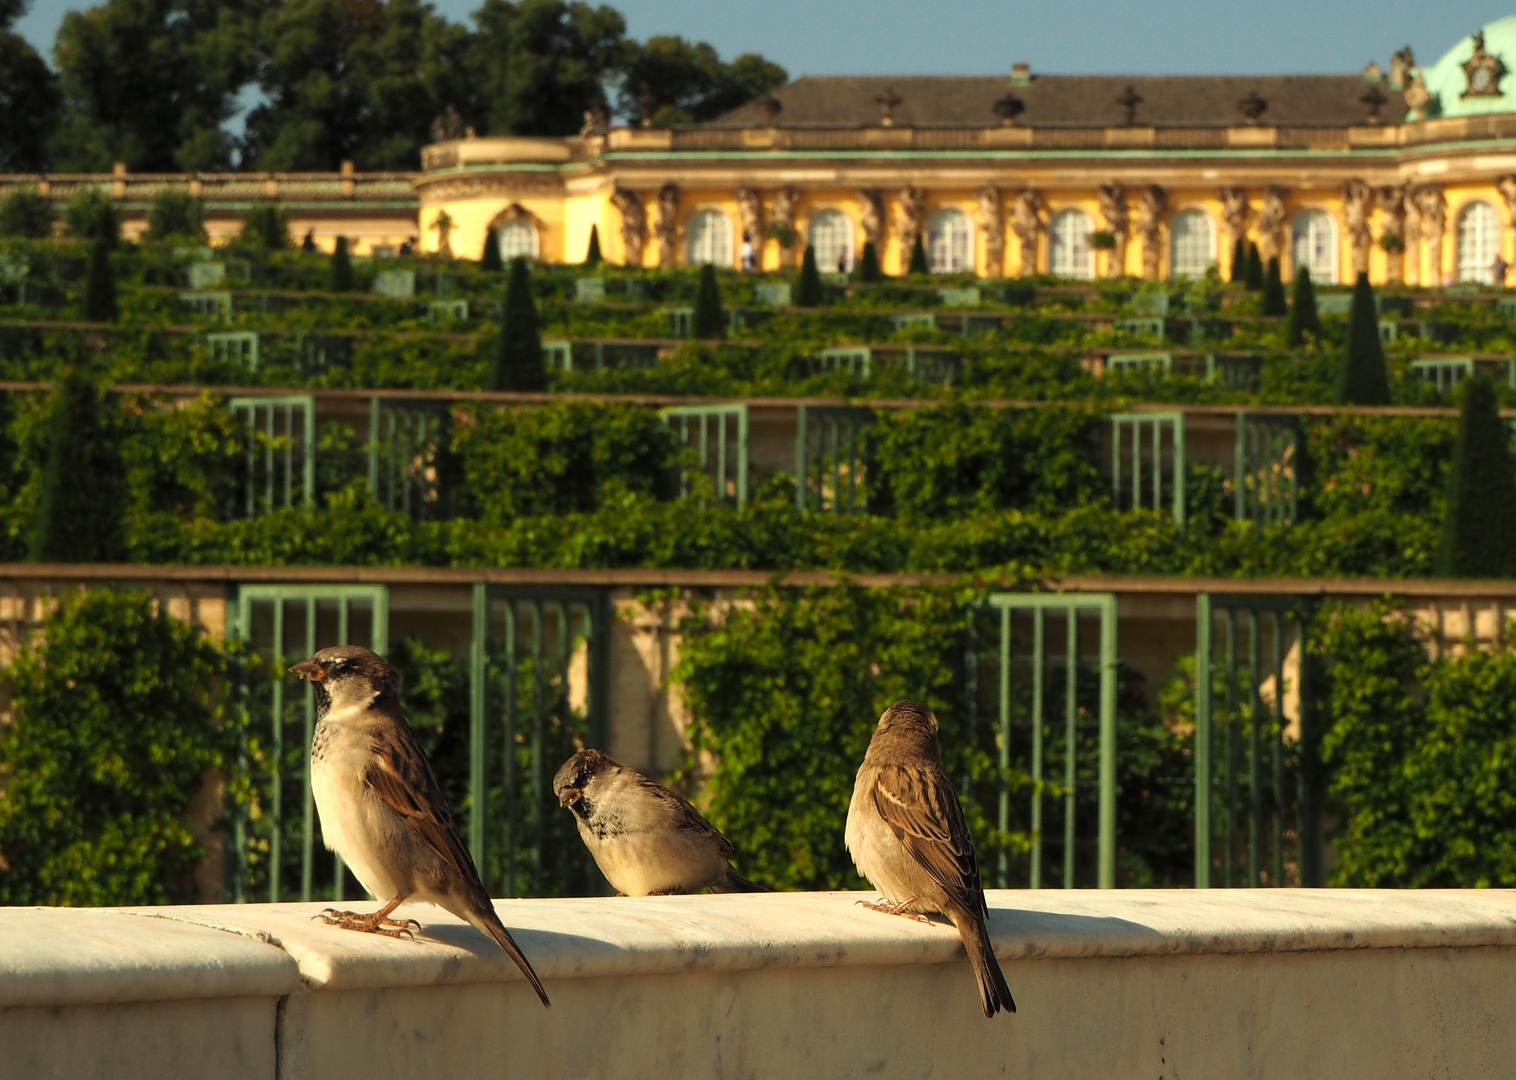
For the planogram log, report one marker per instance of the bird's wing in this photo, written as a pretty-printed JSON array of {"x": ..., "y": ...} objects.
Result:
[
  {"x": 401, "y": 776},
  {"x": 686, "y": 816},
  {"x": 919, "y": 806}
]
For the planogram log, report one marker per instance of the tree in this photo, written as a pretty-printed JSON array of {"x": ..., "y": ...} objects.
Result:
[
  {"x": 868, "y": 265},
  {"x": 265, "y": 226},
  {"x": 710, "y": 320},
  {"x": 1363, "y": 378},
  {"x": 177, "y": 214},
  {"x": 1273, "y": 290},
  {"x": 29, "y": 97},
  {"x": 490, "y": 260},
  {"x": 91, "y": 215},
  {"x": 667, "y": 81},
  {"x": 1479, "y": 532},
  {"x": 81, "y": 515},
  {"x": 1254, "y": 274},
  {"x": 1239, "y": 261},
  {"x": 518, "y": 355},
  {"x": 592, "y": 257},
  {"x": 1304, "y": 319},
  {"x": 919, "y": 264},
  {"x": 100, "y": 284},
  {"x": 339, "y": 274},
  {"x": 809, "y": 293},
  {"x": 26, "y": 214}
]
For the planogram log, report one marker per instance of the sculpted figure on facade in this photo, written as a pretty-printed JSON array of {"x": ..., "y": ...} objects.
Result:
[
  {"x": 1270, "y": 227},
  {"x": 1113, "y": 207},
  {"x": 871, "y": 207},
  {"x": 667, "y": 227},
  {"x": 782, "y": 217},
  {"x": 1026, "y": 223},
  {"x": 1432, "y": 210},
  {"x": 1150, "y": 206},
  {"x": 1391, "y": 201},
  {"x": 1506, "y": 185},
  {"x": 911, "y": 209},
  {"x": 633, "y": 224},
  {"x": 992, "y": 224},
  {"x": 750, "y": 210},
  {"x": 1236, "y": 213},
  {"x": 1357, "y": 202}
]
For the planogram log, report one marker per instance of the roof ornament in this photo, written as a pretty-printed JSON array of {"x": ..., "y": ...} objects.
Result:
[
  {"x": 1129, "y": 100},
  {"x": 1401, "y": 64},
  {"x": 1252, "y": 107},
  {"x": 1373, "y": 73},
  {"x": 1008, "y": 108},
  {"x": 1482, "y": 71},
  {"x": 887, "y": 102},
  {"x": 1418, "y": 97},
  {"x": 447, "y": 126},
  {"x": 1374, "y": 99}
]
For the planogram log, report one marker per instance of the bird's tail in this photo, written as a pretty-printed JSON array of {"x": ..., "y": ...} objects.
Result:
[
  {"x": 483, "y": 916},
  {"x": 735, "y": 882},
  {"x": 994, "y": 994}
]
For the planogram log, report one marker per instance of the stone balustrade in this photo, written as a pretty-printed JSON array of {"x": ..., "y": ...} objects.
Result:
[{"x": 1214, "y": 984}]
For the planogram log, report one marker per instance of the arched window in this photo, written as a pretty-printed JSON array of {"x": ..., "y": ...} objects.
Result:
[
  {"x": 1316, "y": 245},
  {"x": 517, "y": 238},
  {"x": 1478, "y": 243},
  {"x": 710, "y": 238},
  {"x": 1193, "y": 248},
  {"x": 1069, "y": 245},
  {"x": 950, "y": 242},
  {"x": 832, "y": 241}
]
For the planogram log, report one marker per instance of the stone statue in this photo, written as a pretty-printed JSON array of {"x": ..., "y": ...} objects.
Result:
[
  {"x": 447, "y": 126},
  {"x": 667, "y": 226},
  {"x": 1026, "y": 223},
  {"x": 782, "y": 216},
  {"x": 1418, "y": 97},
  {"x": 1412, "y": 236},
  {"x": 871, "y": 203},
  {"x": 1150, "y": 204},
  {"x": 1391, "y": 201},
  {"x": 911, "y": 208},
  {"x": 1506, "y": 185},
  {"x": 1401, "y": 64},
  {"x": 750, "y": 211},
  {"x": 992, "y": 224},
  {"x": 1113, "y": 208},
  {"x": 633, "y": 223},
  {"x": 1432, "y": 209},
  {"x": 1357, "y": 202},
  {"x": 1236, "y": 212},
  {"x": 1270, "y": 227}
]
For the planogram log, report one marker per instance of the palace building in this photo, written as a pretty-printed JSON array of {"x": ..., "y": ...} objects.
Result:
[{"x": 1406, "y": 171}]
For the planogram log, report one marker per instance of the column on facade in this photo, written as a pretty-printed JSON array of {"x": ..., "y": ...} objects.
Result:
[
  {"x": 992, "y": 225},
  {"x": 1113, "y": 207},
  {"x": 909, "y": 211},
  {"x": 1390, "y": 199},
  {"x": 1357, "y": 204},
  {"x": 871, "y": 217},
  {"x": 667, "y": 227},
  {"x": 1026, "y": 223},
  {"x": 1150, "y": 204},
  {"x": 1270, "y": 227},
  {"x": 1432, "y": 210},
  {"x": 1506, "y": 185},
  {"x": 633, "y": 224},
  {"x": 782, "y": 218},
  {"x": 1236, "y": 212}
]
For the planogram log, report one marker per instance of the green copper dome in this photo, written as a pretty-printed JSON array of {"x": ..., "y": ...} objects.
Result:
[{"x": 1490, "y": 87}]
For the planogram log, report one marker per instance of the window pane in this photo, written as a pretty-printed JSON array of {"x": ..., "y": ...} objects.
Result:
[
  {"x": 710, "y": 239},
  {"x": 1069, "y": 241},
  {"x": 1478, "y": 241},
  {"x": 517, "y": 238},
  {"x": 832, "y": 241},
  {"x": 950, "y": 242},
  {"x": 1316, "y": 245},
  {"x": 1194, "y": 244}
]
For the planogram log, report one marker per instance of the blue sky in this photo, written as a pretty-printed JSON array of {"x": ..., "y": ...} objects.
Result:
[{"x": 840, "y": 37}]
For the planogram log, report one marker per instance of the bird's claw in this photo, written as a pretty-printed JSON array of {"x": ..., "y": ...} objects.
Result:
[
  {"x": 887, "y": 908},
  {"x": 370, "y": 924}
]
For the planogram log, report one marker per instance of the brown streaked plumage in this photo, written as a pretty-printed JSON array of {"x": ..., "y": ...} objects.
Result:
[
  {"x": 381, "y": 807},
  {"x": 646, "y": 839},
  {"x": 907, "y": 835}
]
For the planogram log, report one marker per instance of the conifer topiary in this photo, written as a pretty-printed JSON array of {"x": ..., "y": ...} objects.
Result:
[
  {"x": 489, "y": 259},
  {"x": 592, "y": 257},
  {"x": 1363, "y": 378},
  {"x": 1239, "y": 262},
  {"x": 1254, "y": 275},
  {"x": 100, "y": 284},
  {"x": 710, "y": 320},
  {"x": 340, "y": 272},
  {"x": 918, "y": 258},
  {"x": 809, "y": 292},
  {"x": 1304, "y": 318},
  {"x": 518, "y": 355},
  {"x": 81, "y": 515},
  {"x": 1479, "y": 532},
  {"x": 868, "y": 265},
  {"x": 1273, "y": 290},
  {"x": 265, "y": 226}
]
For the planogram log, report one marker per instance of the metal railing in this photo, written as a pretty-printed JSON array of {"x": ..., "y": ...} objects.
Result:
[
  {"x": 280, "y": 461},
  {"x": 407, "y": 447},
  {"x": 1266, "y": 469},
  {"x": 717, "y": 435},
  {"x": 1147, "y": 461},
  {"x": 830, "y": 469}
]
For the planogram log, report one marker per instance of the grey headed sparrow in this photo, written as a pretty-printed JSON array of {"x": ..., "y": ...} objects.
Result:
[
  {"x": 381, "y": 807},
  {"x": 907, "y": 835},
  {"x": 647, "y": 840}
]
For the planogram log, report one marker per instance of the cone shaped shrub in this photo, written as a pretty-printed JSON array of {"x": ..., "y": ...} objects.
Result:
[
  {"x": 809, "y": 292},
  {"x": 265, "y": 226},
  {"x": 175, "y": 214},
  {"x": 1304, "y": 319},
  {"x": 1239, "y": 262},
  {"x": 1273, "y": 290},
  {"x": 339, "y": 274},
  {"x": 518, "y": 353},
  {"x": 1254, "y": 276},
  {"x": 490, "y": 259},
  {"x": 592, "y": 257},
  {"x": 918, "y": 258},
  {"x": 81, "y": 514},
  {"x": 26, "y": 214},
  {"x": 710, "y": 320},
  {"x": 868, "y": 265},
  {"x": 1479, "y": 533},
  {"x": 100, "y": 284},
  {"x": 1363, "y": 378}
]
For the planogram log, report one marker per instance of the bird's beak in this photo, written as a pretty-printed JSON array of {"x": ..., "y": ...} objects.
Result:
[
  {"x": 308, "y": 669},
  {"x": 569, "y": 795}
]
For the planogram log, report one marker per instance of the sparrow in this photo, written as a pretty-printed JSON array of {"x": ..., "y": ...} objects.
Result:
[
  {"x": 646, "y": 840},
  {"x": 907, "y": 835},
  {"x": 381, "y": 808}
]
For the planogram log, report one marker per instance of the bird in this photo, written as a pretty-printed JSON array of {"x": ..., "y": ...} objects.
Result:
[
  {"x": 646, "y": 840},
  {"x": 381, "y": 808},
  {"x": 907, "y": 836}
]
